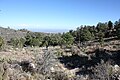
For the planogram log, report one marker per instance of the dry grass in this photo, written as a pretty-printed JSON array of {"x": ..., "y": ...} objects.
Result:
[{"x": 44, "y": 60}]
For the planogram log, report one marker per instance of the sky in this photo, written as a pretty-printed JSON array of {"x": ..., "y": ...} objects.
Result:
[{"x": 56, "y": 14}]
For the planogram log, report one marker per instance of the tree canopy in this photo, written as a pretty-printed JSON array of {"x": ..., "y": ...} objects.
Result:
[{"x": 81, "y": 34}]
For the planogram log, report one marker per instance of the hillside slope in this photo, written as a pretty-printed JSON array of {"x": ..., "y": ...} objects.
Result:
[{"x": 8, "y": 33}]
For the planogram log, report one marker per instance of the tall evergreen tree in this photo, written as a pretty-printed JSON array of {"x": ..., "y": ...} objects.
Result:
[{"x": 110, "y": 25}]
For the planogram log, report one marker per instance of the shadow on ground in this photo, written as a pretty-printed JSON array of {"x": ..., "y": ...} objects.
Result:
[{"x": 86, "y": 65}]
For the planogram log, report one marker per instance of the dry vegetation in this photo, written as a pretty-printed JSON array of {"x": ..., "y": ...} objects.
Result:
[
  {"x": 56, "y": 63},
  {"x": 87, "y": 53}
]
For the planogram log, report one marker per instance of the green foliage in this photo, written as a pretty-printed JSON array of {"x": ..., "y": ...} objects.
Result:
[
  {"x": 17, "y": 42},
  {"x": 116, "y": 24},
  {"x": 100, "y": 34},
  {"x": 118, "y": 33},
  {"x": 39, "y": 39},
  {"x": 100, "y": 37},
  {"x": 81, "y": 34},
  {"x": 28, "y": 38},
  {"x": 77, "y": 35},
  {"x": 34, "y": 42},
  {"x": 46, "y": 41},
  {"x": 14, "y": 42},
  {"x": 110, "y": 25},
  {"x": 85, "y": 35},
  {"x": 1, "y": 43},
  {"x": 67, "y": 39},
  {"x": 117, "y": 27},
  {"x": 55, "y": 39},
  {"x": 102, "y": 27},
  {"x": 22, "y": 42},
  {"x": 23, "y": 30},
  {"x": 33, "y": 39},
  {"x": 59, "y": 53}
]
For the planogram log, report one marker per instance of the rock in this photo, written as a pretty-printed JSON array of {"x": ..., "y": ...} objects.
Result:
[
  {"x": 71, "y": 73},
  {"x": 52, "y": 69},
  {"x": 116, "y": 68},
  {"x": 4, "y": 71},
  {"x": 32, "y": 65},
  {"x": 24, "y": 76},
  {"x": 27, "y": 66}
]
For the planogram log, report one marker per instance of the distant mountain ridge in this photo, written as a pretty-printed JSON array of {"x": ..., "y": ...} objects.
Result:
[{"x": 49, "y": 30}]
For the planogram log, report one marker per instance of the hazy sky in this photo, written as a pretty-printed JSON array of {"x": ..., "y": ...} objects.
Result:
[{"x": 57, "y": 14}]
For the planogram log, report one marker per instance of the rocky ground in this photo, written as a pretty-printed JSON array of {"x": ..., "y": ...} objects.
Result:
[
  {"x": 12, "y": 58},
  {"x": 54, "y": 63}
]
